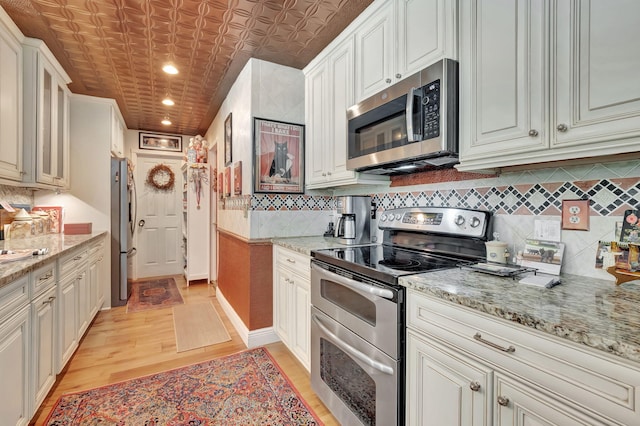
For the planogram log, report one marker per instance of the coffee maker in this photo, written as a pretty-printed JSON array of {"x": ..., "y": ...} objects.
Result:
[{"x": 354, "y": 219}]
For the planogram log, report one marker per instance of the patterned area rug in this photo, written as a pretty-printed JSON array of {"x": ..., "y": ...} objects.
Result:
[
  {"x": 246, "y": 388},
  {"x": 154, "y": 294}
]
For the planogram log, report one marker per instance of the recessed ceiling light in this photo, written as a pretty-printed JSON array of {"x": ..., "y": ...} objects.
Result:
[
  {"x": 170, "y": 69},
  {"x": 166, "y": 121},
  {"x": 168, "y": 102}
]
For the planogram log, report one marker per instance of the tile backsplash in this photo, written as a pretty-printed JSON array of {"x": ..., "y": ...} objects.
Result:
[{"x": 517, "y": 199}]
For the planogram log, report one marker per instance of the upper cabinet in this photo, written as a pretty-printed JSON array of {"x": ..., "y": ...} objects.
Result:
[
  {"x": 546, "y": 81},
  {"x": 11, "y": 95},
  {"x": 329, "y": 92},
  {"x": 46, "y": 115},
  {"x": 401, "y": 38}
]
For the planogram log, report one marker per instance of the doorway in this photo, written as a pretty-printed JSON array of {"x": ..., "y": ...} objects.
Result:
[{"x": 158, "y": 234}]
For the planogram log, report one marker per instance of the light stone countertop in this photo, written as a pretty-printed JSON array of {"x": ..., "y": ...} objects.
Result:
[
  {"x": 56, "y": 243},
  {"x": 304, "y": 245},
  {"x": 589, "y": 311}
]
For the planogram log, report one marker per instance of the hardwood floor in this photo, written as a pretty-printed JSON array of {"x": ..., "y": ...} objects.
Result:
[{"x": 121, "y": 346}]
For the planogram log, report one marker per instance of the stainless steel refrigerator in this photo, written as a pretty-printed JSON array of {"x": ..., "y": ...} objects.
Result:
[{"x": 122, "y": 228}]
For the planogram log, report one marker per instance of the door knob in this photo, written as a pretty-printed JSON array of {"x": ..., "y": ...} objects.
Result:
[{"x": 141, "y": 223}]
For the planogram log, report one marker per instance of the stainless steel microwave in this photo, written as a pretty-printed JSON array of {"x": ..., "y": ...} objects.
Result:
[{"x": 411, "y": 125}]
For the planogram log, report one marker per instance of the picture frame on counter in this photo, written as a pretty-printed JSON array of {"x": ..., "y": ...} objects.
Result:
[
  {"x": 278, "y": 165},
  {"x": 159, "y": 142}
]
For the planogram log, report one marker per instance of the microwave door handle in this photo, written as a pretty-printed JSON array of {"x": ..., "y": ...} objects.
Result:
[
  {"x": 346, "y": 282},
  {"x": 351, "y": 350},
  {"x": 411, "y": 137}
]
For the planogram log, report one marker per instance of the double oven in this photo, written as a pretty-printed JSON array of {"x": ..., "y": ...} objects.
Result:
[{"x": 358, "y": 307}]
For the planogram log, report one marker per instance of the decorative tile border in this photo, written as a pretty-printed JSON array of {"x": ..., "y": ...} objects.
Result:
[{"x": 607, "y": 197}]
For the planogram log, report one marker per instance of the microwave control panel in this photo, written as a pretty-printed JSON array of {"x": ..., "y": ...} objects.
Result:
[{"x": 431, "y": 110}]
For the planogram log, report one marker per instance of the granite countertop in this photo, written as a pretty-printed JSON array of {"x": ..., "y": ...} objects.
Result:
[
  {"x": 56, "y": 243},
  {"x": 589, "y": 311},
  {"x": 304, "y": 245}
]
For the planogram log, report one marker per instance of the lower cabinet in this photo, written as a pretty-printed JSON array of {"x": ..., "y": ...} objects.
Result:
[
  {"x": 43, "y": 332},
  {"x": 67, "y": 320},
  {"x": 291, "y": 302},
  {"x": 468, "y": 368},
  {"x": 15, "y": 347}
]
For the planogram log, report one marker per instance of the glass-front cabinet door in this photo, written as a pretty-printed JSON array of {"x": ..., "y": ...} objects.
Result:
[{"x": 46, "y": 157}]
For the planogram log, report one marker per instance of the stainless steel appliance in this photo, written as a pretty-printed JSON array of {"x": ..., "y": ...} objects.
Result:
[
  {"x": 411, "y": 125},
  {"x": 122, "y": 229},
  {"x": 358, "y": 308},
  {"x": 354, "y": 219}
]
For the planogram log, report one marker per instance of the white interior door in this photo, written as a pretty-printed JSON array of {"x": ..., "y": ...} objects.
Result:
[{"x": 159, "y": 232}]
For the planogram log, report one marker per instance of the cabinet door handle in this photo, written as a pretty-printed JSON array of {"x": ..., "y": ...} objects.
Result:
[
  {"x": 474, "y": 386},
  {"x": 324, "y": 174},
  {"x": 328, "y": 173},
  {"x": 398, "y": 75},
  {"x": 388, "y": 80},
  {"x": 533, "y": 133},
  {"x": 479, "y": 338},
  {"x": 290, "y": 260},
  {"x": 46, "y": 277},
  {"x": 562, "y": 127},
  {"x": 503, "y": 400}
]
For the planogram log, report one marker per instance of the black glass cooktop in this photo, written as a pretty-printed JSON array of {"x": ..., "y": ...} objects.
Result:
[{"x": 384, "y": 262}]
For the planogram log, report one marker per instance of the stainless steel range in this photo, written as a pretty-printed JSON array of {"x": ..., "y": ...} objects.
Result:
[{"x": 358, "y": 314}]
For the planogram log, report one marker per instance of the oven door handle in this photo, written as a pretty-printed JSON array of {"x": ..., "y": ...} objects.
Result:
[
  {"x": 351, "y": 350},
  {"x": 339, "y": 279}
]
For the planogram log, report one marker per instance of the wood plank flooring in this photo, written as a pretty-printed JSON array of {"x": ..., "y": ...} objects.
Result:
[{"x": 121, "y": 346}]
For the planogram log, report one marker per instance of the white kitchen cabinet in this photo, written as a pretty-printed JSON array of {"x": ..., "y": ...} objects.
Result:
[
  {"x": 43, "y": 333},
  {"x": 484, "y": 369},
  {"x": 544, "y": 81},
  {"x": 374, "y": 53},
  {"x": 426, "y": 31},
  {"x": 94, "y": 275},
  {"x": 401, "y": 38},
  {"x": 73, "y": 304},
  {"x": 195, "y": 224},
  {"x": 15, "y": 347},
  {"x": 329, "y": 92},
  {"x": 440, "y": 377},
  {"x": 43, "y": 289},
  {"x": 291, "y": 301},
  {"x": 11, "y": 94},
  {"x": 46, "y": 110}
]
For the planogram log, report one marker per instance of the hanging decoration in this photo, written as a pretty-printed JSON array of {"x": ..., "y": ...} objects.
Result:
[
  {"x": 161, "y": 177},
  {"x": 199, "y": 178}
]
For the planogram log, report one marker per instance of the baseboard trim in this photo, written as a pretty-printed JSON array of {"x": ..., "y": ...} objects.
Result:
[{"x": 251, "y": 338}]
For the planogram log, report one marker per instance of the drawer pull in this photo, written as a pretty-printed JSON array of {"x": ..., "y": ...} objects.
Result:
[
  {"x": 474, "y": 386},
  {"x": 46, "y": 277},
  {"x": 77, "y": 258},
  {"x": 503, "y": 400},
  {"x": 479, "y": 338},
  {"x": 290, "y": 260}
]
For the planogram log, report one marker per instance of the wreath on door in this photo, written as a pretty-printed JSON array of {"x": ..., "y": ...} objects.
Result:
[{"x": 161, "y": 177}]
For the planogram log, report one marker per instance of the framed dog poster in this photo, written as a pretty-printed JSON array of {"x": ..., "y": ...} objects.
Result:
[{"x": 279, "y": 157}]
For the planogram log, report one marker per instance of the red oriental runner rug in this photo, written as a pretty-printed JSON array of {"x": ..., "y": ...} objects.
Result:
[
  {"x": 153, "y": 294},
  {"x": 246, "y": 388}
]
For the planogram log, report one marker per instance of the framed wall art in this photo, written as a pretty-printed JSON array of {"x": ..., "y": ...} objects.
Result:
[
  {"x": 220, "y": 185},
  {"x": 279, "y": 156},
  {"x": 237, "y": 178},
  {"x": 227, "y": 141},
  {"x": 575, "y": 215},
  {"x": 227, "y": 181},
  {"x": 160, "y": 142}
]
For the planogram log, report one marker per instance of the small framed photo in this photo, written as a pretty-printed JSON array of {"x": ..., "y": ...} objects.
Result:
[
  {"x": 575, "y": 215},
  {"x": 227, "y": 141},
  {"x": 237, "y": 178},
  {"x": 278, "y": 165},
  {"x": 227, "y": 182},
  {"x": 160, "y": 142}
]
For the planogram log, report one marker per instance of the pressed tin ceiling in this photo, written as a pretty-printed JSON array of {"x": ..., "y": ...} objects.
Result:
[{"x": 116, "y": 48}]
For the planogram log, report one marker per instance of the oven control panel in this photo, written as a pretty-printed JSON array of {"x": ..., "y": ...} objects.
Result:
[{"x": 446, "y": 220}]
